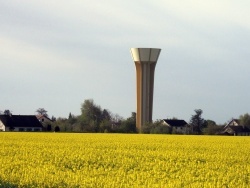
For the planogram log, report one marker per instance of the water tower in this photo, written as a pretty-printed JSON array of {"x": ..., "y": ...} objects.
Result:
[{"x": 145, "y": 61}]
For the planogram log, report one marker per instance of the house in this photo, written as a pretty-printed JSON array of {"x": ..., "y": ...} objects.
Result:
[
  {"x": 234, "y": 128},
  {"x": 177, "y": 126},
  {"x": 45, "y": 121},
  {"x": 19, "y": 123}
]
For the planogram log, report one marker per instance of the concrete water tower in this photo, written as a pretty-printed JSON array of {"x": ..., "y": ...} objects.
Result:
[{"x": 145, "y": 61}]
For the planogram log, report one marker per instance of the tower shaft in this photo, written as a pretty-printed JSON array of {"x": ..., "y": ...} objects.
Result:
[{"x": 144, "y": 92}]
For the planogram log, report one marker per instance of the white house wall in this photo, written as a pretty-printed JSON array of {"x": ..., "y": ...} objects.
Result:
[
  {"x": 25, "y": 129},
  {"x": 179, "y": 130},
  {"x": 2, "y": 127}
]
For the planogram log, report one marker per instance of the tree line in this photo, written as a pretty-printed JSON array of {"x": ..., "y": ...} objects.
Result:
[{"x": 95, "y": 119}]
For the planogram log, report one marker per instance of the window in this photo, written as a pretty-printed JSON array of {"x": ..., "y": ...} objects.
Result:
[
  {"x": 29, "y": 129},
  {"x": 21, "y": 129}
]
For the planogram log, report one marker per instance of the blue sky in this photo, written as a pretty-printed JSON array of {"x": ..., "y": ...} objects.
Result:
[{"x": 55, "y": 54}]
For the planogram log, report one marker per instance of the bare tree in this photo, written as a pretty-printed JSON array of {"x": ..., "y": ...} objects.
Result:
[
  {"x": 7, "y": 112},
  {"x": 42, "y": 111}
]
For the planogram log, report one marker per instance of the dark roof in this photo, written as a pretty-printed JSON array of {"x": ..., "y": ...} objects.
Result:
[
  {"x": 175, "y": 122},
  {"x": 20, "y": 121},
  {"x": 239, "y": 129}
]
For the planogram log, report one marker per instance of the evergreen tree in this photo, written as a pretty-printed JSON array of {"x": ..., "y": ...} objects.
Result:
[{"x": 197, "y": 122}]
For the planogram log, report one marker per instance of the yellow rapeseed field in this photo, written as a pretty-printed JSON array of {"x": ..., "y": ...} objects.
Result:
[{"x": 123, "y": 160}]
